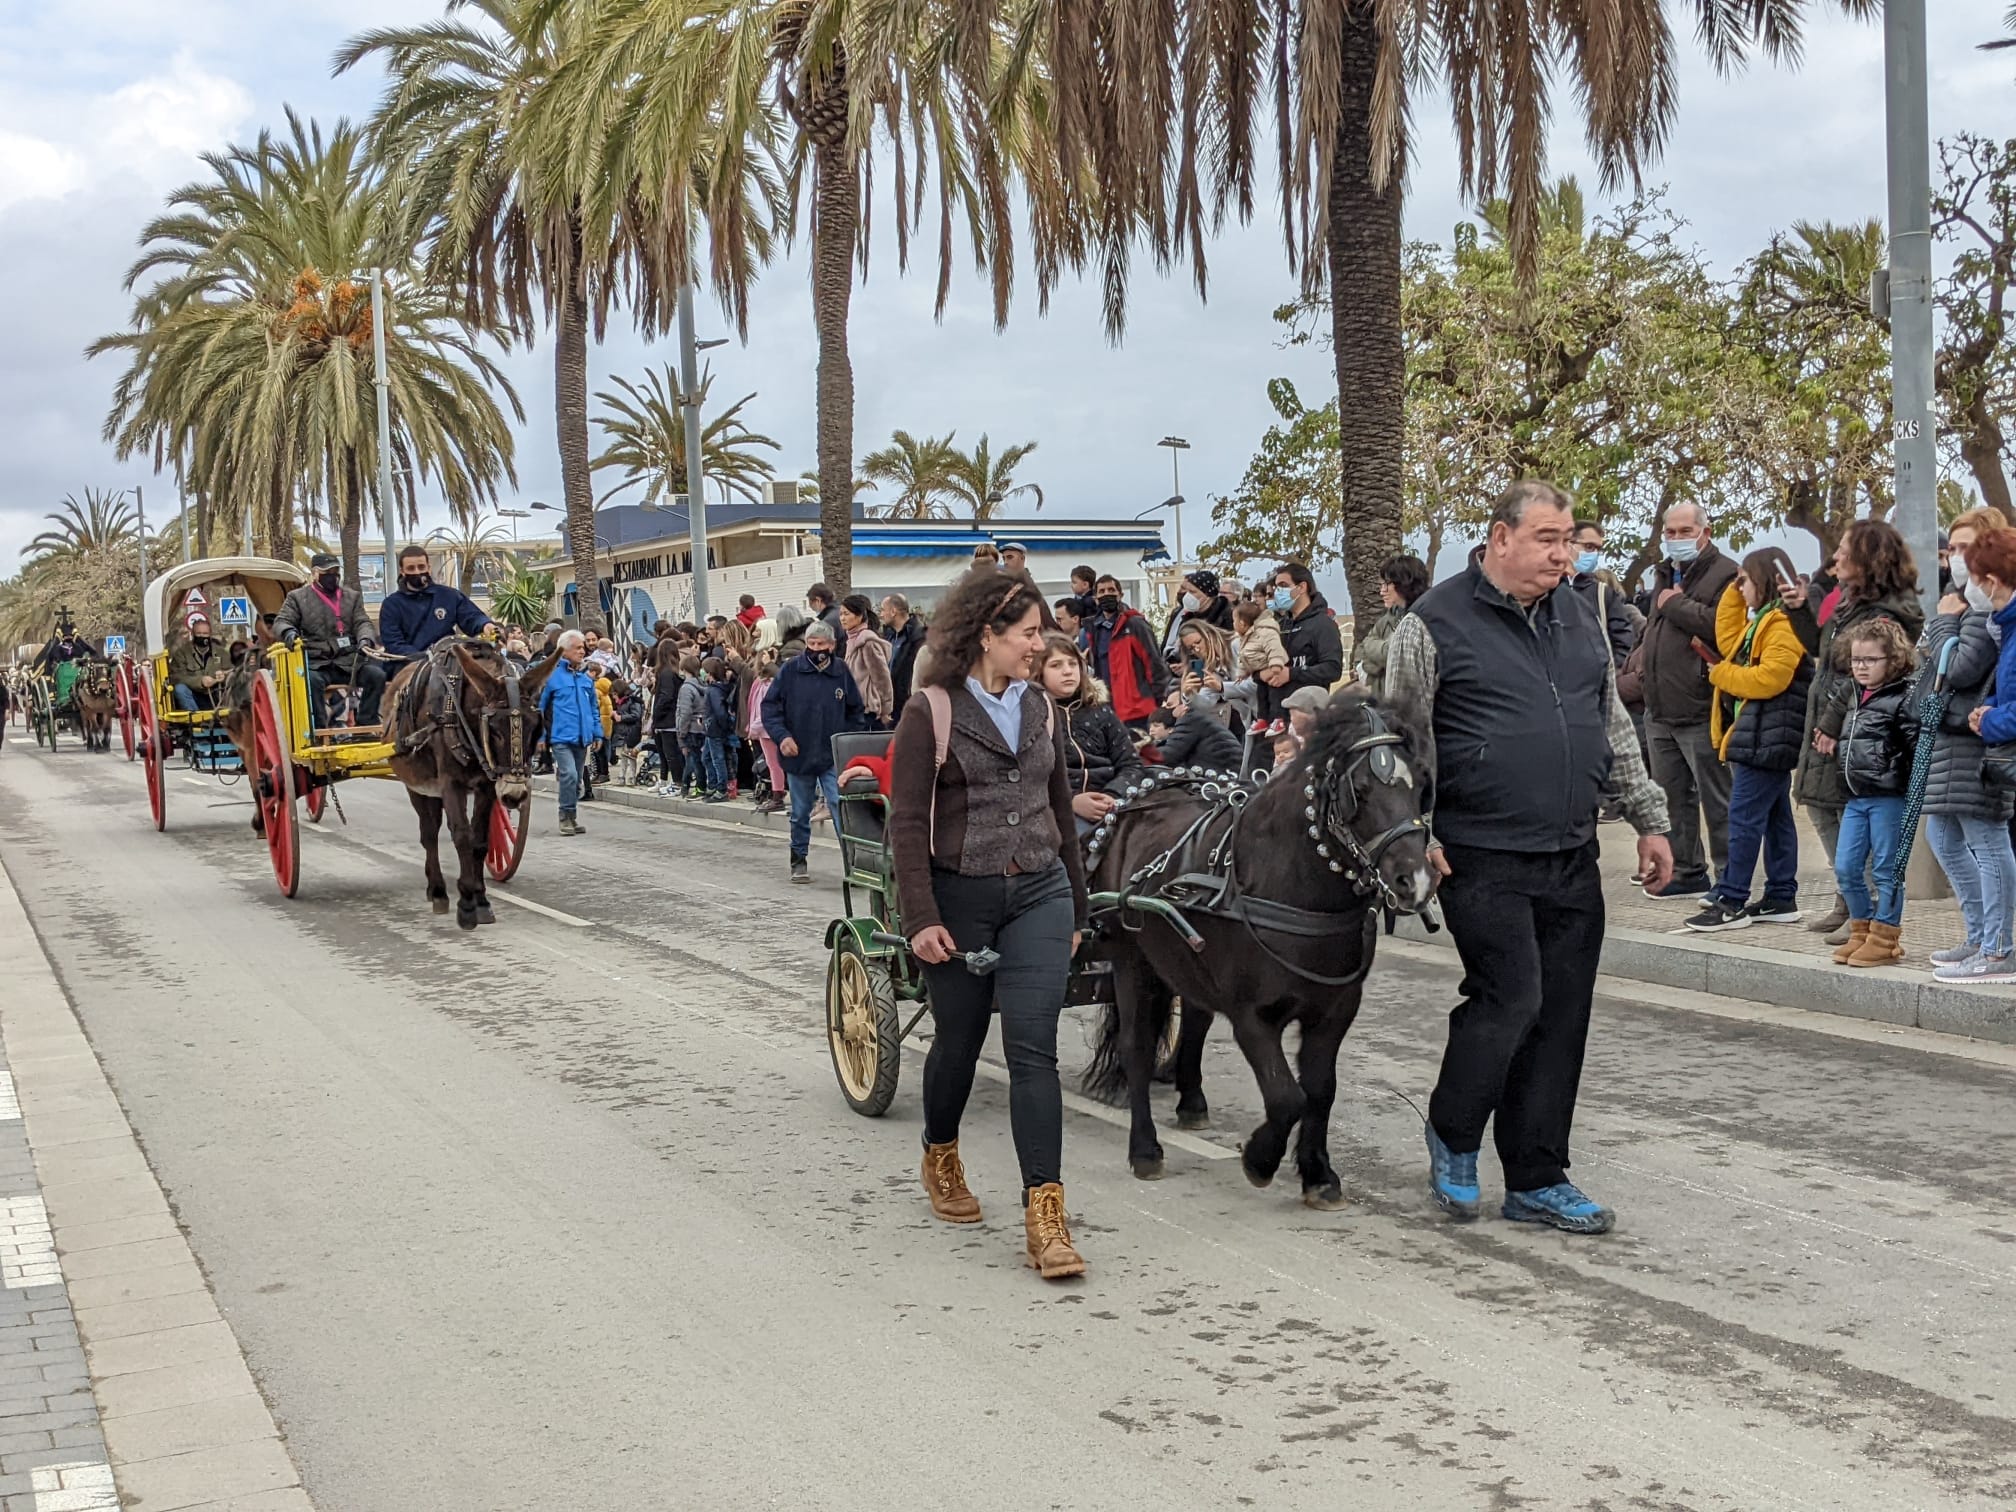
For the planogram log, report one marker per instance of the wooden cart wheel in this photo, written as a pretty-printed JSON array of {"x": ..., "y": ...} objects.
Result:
[
  {"x": 863, "y": 1029},
  {"x": 509, "y": 830},
  {"x": 273, "y": 785},
  {"x": 154, "y": 755},
  {"x": 124, "y": 692},
  {"x": 45, "y": 717},
  {"x": 316, "y": 801}
]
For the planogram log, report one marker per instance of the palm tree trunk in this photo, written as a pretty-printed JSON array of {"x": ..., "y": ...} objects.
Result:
[
  {"x": 570, "y": 391},
  {"x": 838, "y": 208},
  {"x": 279, "y": 518},
  {"x": 1364, "y": 253},
  {"x": 350, "y": 514}
]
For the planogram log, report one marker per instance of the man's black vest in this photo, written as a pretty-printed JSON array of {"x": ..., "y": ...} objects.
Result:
[{"x": 1522, "y": 748}]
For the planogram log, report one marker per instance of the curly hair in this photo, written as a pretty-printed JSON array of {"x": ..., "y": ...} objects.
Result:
[
  {"x": 981, "y": 601},
  {"x": 1887, "y": 634},
  {"x": 1882, "y": 560},
  {"x": 1406, "y": 575}
]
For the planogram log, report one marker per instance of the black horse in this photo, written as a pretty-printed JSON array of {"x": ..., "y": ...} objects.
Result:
[
  {"x": 1282, "y": 888},
  {"x": 463, "y": 722}
]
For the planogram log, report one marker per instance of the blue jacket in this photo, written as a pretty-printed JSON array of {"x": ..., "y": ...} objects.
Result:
[
  {"x": 570, "y": 706},
  {"x": 720, "y": 710},
  {"x": 408, "y": 623},
  {"x": 1998, "y": 725},
  {"x": 811, "y": 707}
]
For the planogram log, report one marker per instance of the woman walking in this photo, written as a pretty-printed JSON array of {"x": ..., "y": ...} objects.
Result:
[
  {"x": 1755, "y": 723},
  {"x": 867, "y": 656},
  {"x": 1966, "y": 821},
  {"x": 1873, "y": 578},
  {"x": 987, "y": 857}
]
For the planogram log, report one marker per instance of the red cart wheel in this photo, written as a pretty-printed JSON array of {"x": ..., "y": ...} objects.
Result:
[
  {"x": 316, "y": 802},
  {"x": 509, "y": 830},
  {"x": 154, "y": 756},
  {"x": 124, "y": 693},
  {"x": 273, "y": 786}
]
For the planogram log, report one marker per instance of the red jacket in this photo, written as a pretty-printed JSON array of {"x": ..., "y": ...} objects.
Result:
[
  {"x": 1129, "y": 662},
  {"x": 750, "y": 616}
]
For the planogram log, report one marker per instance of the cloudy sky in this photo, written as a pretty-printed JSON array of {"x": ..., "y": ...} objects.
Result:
[{"x": 106, "y": 104}]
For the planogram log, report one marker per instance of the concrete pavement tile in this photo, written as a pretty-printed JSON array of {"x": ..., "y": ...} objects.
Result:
[
  {"x": 121, "y": 1259},
  {"x": 78, "y": 1239},
  {"x": 205, "y": 1476},
  {"x": 58, "y": 1131},
  {"x": 95, "y": 1201},
  {"x": 121, "y": 1318},
  {"x": 179, "y": 1430},
  {"x": 137, "y": 1286},
  {"x": 173, "y": 1386},
  {"x": 19, "y": 1442},
  {"x": 164, "y": 1347},
  {"x": 60, "y": 1167}
]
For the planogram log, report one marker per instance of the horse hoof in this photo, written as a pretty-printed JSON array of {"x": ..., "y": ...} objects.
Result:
[
  {"x": 440, "y": 905},
  {"x": 1259, "y": 1178},
  {"x": 1197, "y": 1119},
  {"x": 1147, "y": 1170},
  {"x": 1325, "y": 1199},
  {"x": 465, "y": 918},
  {"x": 484, "y": 914}
]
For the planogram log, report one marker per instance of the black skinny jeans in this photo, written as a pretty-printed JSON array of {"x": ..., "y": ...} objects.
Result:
[
  {"x": 1529, "y": 930},
  {"x": 1028, "y": 919},
  {"x": 671, "y": 761}
]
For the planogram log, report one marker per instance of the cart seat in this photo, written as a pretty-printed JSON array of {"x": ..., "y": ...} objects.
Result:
[{"x": 860, "y": 822}]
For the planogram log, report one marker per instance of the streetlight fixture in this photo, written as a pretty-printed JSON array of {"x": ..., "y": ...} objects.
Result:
[
  {"x": 514, "y": 516},
  {"x": 1176, "y": 444}
]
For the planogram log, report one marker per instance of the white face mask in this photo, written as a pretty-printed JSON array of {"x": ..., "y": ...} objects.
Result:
[
  {"x": 1957, "y": 569},
  {"x": 1977, "y": 598},
  {"x": 1194, "y": 600}
]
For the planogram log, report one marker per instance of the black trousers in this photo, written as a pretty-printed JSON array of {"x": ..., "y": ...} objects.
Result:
[
  {"x": 367, "y": 677},
  {"x": 671, "y": 762},
  {"x": 1028, "y": 919},
  {"x": 1529, "y": 930}
]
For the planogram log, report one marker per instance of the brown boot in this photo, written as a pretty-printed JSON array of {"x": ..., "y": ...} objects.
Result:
[
  {"x": 1048, "y": 1235},
  {"x": 945, "y": 1185},
  {"x": 1858, "y": 932},
  {"x": 1880, "y": 948}
]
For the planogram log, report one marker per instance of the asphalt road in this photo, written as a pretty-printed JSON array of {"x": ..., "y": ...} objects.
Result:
[{"x": 568, "y": 1213}]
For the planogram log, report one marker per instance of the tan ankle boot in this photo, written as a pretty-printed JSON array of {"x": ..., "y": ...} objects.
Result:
[
  {"x": 1879, "y": 948},
  {"x": 1858, "y": 932},
  {"x": 945, "y": 1185},
  {"x": 1048, "y": 1235}
]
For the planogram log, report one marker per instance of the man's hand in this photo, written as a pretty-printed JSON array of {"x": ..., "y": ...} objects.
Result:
[
  {"x": 933, "y": 946},
  {"x": 1823, "y": 742},
  {"x": 1274, "y": 677},
  {"x": 1666, "y": 596},
  {"x": 1655, "y": 861},
  {"x": 1077, "y": 939},
  {"x": 1439, "y": 859},
  {"x": 787, "y": 747}
]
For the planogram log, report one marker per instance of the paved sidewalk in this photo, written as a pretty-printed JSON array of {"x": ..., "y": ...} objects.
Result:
[{"x": 120, "y": 1384}]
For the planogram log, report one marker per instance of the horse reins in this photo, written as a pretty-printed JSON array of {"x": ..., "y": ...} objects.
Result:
[{"x": 478, "y": 740}]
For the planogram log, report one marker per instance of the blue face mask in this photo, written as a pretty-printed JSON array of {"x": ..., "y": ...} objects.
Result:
[
  {"x": 1585, "y": 564},
  {"x": 1282, "y": 598},
  {"x": 1682, "y": 552}
]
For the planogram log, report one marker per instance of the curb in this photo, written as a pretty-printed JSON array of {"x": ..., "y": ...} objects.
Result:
[
  {"x": 738, "y": 812},
  {"x": 1718, "y": 966},
  {"x": 184, "y": 1424}
]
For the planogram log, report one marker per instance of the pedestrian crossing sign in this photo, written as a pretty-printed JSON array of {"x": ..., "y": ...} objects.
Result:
[
  {"x": 115, "y": 645},
  {"x": 234, "y": 611}
]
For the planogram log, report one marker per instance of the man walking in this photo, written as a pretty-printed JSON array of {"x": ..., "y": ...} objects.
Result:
[
  {"x": 812, "y": 699},
  {"x": 1509, "y": 664},
  {"x": 1125, "y": 656},
  {"x": 329, "y": 621},
  {"x": 1309, "y": 632},
  {"x": 572, "y": 712},
  {"x": 1686, "y": 587},
  {"x": 906, "y": 635}
]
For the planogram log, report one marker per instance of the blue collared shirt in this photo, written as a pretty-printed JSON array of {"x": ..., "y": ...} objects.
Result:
[{"x": 1005, "y": 711}]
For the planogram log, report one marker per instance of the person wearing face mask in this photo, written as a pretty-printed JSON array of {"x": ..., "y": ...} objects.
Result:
[
  {"x": 1687, "y": 588},
  {"x": 1125, "y": 656},
  {"x": 1966, "y": 821},
  {"x": 813, "y": 698},
  {"x": 328, "y": 621},
  {"x": 1308, "y": 630},
  {"x": 1612, "y": 611},
  {"x": 1199, "y": 600},
  {"x": 196, "y": 665},
  {"x": 424, "y": 611}
]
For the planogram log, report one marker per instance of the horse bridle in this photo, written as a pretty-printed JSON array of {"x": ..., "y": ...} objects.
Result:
[
  {"x": 1328, "y": 817},
  {"x": 478, "y": 740}
]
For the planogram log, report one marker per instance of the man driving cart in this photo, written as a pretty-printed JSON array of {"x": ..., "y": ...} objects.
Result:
[{"x": 328, "y": 620}]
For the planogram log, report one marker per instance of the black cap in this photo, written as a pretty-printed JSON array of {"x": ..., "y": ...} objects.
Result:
[{"x": 322, "y": 559}]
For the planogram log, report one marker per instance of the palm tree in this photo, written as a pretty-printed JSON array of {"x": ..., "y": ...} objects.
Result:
[
  {"x": 538, "y": 230},
  {"x": 984, "y": 482},
  {"x": 921, "y": 472},
  {"x": 646, "y": 427},
  {"x": 468, "y": 548},
  {"x": 2008, "y": 24},
  {"x": 102, "y": 521},
  {"x": 522, "y": 594},
  {"x": 1164, "y": 119},
  {"x": 689, "y": 96},
  {"x": 250, "y": 353}
]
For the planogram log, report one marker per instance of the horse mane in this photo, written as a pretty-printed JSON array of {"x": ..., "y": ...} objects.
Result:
[{"x": 1343, "y": 722}]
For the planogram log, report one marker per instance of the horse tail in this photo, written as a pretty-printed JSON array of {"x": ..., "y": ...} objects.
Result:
[{"x": 1105, "y": 1076}]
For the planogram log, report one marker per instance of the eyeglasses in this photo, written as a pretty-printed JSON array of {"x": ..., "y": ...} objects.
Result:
[{"x": 1868, "y": 661}]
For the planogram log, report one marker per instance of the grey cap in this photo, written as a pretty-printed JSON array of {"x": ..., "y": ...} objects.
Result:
[
  {"x": 1310, "y": 700},
  {"x": 1015, "y": 546}
]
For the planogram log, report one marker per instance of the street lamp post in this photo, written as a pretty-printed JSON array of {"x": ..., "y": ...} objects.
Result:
[
  {"x": 384, "y": 388},
  {"x": 514, "y": 516},
  {"x": 1909, "y": 283},
  {"x": 1176, "y": 444},
  {"x": 696, "y": 478}
]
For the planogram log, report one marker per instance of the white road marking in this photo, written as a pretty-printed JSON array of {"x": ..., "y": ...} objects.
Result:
[
  {"x": 74, "y": 1486},
  {"x": 27, "y": 1250},
  {"x": 496, "y": 889}
]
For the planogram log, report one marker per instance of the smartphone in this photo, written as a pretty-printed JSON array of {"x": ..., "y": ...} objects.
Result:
[
  {"x": 1196, "y": 666},
  {"x": 1786, "y": 578}
]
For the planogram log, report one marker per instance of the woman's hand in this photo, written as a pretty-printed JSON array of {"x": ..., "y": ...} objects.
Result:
[
  {"x": 1077, "y": 939},
  {"x": 933, "y": 946},
  {"x": 1190, "y": 684},
  {"x": 1974, "y": 717},
  {"x": 1953, "y": 603},
  {"x": 1793, "y": 597},
  {"x": 1823, "y": 743},
  {"x": 1214, "y": 682},
  {"x": 1093, "y": 806}
]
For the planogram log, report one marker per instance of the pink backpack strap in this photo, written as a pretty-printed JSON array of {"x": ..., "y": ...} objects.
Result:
[{"x": 940, "y": 703}]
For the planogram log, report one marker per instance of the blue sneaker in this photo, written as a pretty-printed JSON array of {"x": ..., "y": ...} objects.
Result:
[
  {"x": 1563, "y": 1206},
  {"x": 1452, "y": 1178}
]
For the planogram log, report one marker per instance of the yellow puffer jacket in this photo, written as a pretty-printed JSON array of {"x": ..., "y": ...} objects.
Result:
[{"x": 1775, "y": 662}]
